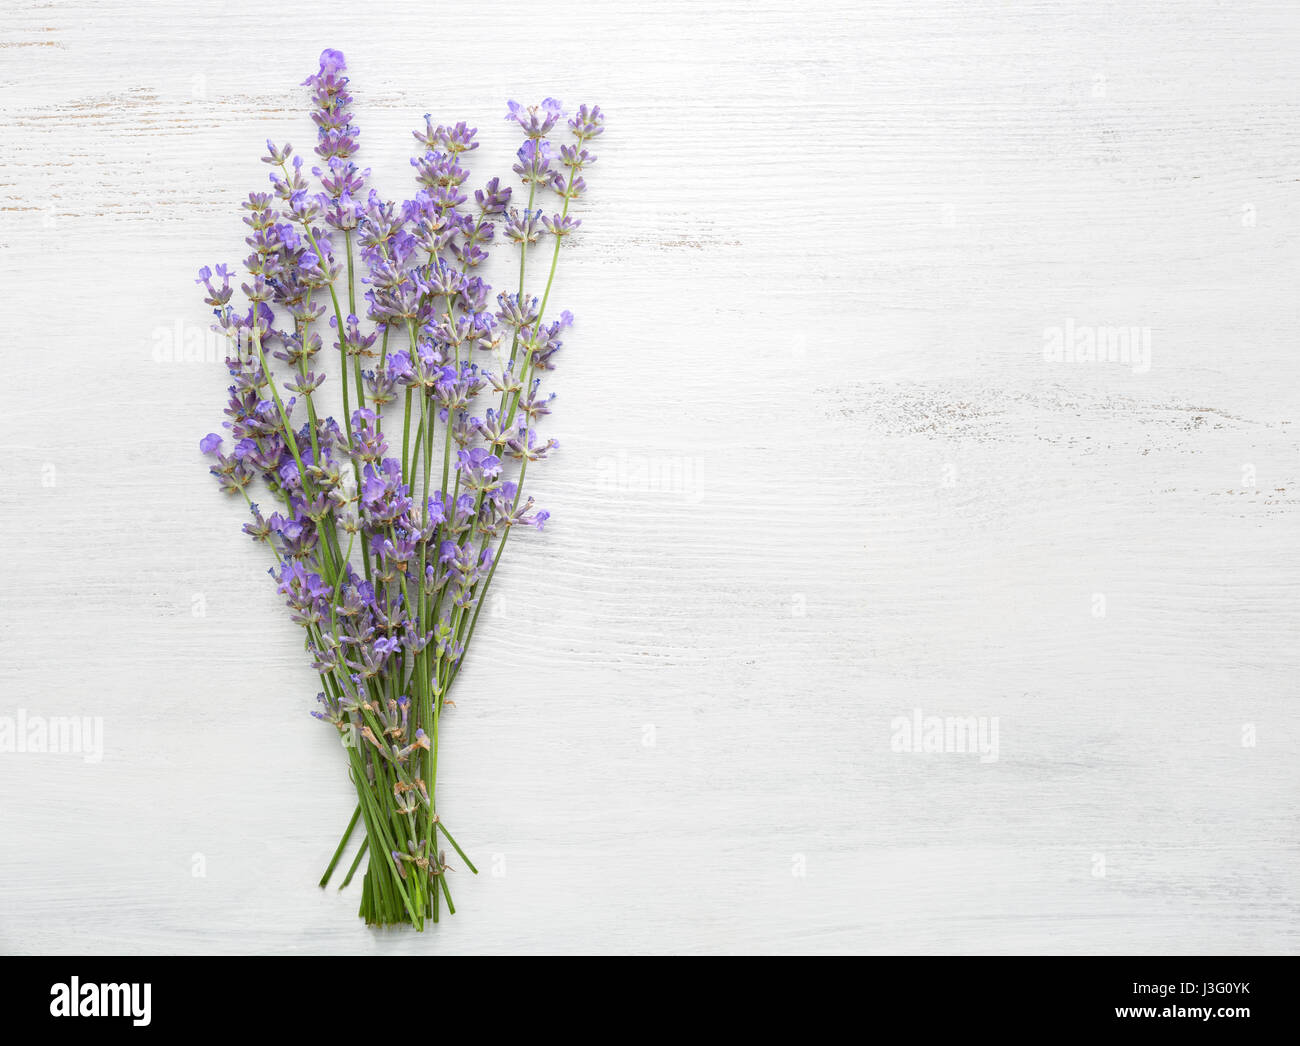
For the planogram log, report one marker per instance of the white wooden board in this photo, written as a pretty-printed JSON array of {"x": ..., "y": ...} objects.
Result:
[{"x": 816, "y": 474}]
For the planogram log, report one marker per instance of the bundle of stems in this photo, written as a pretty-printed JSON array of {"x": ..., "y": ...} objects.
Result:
[{"x": 386, "y": 562}]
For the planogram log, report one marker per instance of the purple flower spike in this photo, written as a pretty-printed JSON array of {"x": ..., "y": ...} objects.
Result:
[{"x": 386, "y": 522}]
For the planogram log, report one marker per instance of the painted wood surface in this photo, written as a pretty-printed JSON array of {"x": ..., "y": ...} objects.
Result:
[{"x": 819, "y": 471}]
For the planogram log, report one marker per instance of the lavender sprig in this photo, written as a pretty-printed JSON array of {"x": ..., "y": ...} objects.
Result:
[{"x": 389, "y": 640}]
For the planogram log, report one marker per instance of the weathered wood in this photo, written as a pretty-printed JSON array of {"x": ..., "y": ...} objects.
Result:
[{"x": 815, "y": 474}]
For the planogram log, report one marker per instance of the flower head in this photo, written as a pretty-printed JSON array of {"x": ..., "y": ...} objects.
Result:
[{"x": 536, "y": 120}]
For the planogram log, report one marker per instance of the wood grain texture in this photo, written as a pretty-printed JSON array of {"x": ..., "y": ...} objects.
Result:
[{"x": 816, "y": 473}]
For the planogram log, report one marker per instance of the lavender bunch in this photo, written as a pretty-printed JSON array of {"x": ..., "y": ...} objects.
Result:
[{"x": 385, "y": 560}]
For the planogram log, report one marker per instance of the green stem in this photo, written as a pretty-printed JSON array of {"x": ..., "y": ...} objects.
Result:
[
  {"x": 356, "y": 814},
  {"x": 365, "y": 846},
  {"x": 456, "y": 846}
]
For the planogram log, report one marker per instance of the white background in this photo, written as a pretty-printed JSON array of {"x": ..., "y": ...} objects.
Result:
[{"x": 816, "y": 473}]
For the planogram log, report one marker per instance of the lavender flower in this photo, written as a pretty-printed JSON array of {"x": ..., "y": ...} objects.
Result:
[
  {"x": 386, "y": 532},
  {"x": 536, "y": 120}
]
